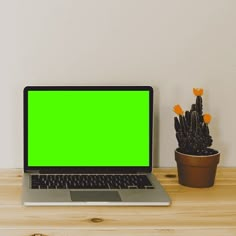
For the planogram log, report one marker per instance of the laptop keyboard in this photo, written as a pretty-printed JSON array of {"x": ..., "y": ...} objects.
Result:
[{"x": 74, "y": 181}]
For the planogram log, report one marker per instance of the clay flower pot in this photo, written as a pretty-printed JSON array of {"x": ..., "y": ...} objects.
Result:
[{"x": 196, "y": 171}]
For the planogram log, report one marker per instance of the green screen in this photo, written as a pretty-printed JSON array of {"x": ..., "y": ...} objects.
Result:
[{"x": 88, "y": 128}]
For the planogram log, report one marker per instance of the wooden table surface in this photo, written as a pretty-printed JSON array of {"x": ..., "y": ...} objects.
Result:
[{"x": 209, "y": 211}]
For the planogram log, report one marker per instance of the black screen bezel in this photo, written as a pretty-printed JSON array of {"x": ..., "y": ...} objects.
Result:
[{"x": 86, "y": 169}]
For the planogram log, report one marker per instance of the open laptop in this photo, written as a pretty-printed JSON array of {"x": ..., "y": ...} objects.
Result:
[{"x": 89, "y": 145}]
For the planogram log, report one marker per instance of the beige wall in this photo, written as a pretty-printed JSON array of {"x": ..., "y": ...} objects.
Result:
[{"x": 171, "y": 45}]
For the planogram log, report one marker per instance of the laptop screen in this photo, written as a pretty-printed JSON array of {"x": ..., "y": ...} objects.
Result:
[{"x": 87, "y": 126}]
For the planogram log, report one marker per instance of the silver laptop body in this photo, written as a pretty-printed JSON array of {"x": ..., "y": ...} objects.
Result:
[{"x": 97, "y": 131}]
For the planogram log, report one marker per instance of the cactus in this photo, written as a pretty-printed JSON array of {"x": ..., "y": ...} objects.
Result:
[{"x": 192, "y": 131}]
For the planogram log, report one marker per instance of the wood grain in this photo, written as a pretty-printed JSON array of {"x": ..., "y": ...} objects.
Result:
[{"x": 209, "y": 211}]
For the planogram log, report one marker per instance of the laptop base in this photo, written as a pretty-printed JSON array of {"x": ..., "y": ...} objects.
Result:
[{"x": 91, "y": 197}]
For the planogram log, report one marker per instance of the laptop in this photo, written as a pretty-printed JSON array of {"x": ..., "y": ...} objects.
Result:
[{"x": 89, "y": 145}]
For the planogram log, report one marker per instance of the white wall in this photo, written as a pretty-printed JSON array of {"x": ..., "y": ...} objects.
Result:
[{"x": 171, "y": 45}]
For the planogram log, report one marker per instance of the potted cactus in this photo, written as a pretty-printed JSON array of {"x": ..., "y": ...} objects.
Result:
[{"x": 196, "y": 161}]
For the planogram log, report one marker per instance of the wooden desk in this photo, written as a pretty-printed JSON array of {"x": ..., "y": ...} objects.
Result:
[{"x": 210, "y": 211}]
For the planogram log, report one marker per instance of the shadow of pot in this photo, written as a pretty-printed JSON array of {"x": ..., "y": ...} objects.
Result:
[{"x": 196, "y": 171}]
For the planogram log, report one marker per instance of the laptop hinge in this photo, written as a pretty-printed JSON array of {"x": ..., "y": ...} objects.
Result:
[
  {"x": 56, "y": 172},
  {"x": 32, "y": 171}
]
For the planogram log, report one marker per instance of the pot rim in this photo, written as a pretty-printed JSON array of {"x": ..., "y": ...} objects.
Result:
[{"x": 190, "y": 155}]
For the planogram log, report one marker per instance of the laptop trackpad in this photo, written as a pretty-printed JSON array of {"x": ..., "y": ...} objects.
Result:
[{"x": 95, "y": 196}]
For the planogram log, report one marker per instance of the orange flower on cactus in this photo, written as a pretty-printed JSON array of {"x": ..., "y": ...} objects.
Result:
[
  {"x": 178, "y": 110},
  {"x": 198, "y": 91},
  {"x": 207, "y": 118}
]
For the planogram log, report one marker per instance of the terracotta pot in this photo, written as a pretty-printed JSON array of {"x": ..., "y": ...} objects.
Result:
[{"x": 196, "y": 171}]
